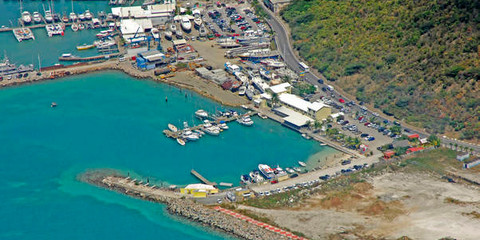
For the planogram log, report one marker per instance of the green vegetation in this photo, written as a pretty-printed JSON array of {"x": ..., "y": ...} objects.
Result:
[
  {"x": 436, "y": 160},
  {"x": 303, "y": 88},
  {"x": 417, "y": 60}
]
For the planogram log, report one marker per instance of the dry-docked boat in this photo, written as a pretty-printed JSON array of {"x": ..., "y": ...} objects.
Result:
[{"x": 186, "y": 24}]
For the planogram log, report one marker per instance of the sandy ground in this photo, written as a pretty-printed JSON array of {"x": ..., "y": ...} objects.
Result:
[
  {"x": 211, "y": 52},
  {"x": 389, "y": 206}
]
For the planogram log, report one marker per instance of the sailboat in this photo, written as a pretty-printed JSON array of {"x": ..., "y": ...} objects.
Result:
[{"x": 74, "y": 27}]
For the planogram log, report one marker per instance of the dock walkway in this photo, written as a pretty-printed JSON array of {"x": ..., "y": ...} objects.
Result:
[{"x": 202, "y": 178}]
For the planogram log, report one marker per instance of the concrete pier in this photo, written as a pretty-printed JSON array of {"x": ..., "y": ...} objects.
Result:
[{"x": 176, "y": 205}]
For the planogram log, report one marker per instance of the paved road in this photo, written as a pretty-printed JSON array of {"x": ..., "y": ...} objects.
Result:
[{"x": 284, "y": 46}]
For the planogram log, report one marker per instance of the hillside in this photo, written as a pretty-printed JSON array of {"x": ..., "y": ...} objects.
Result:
[{"x": 416, "y": 60}]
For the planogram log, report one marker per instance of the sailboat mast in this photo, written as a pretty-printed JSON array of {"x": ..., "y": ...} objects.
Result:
[{"x": 39, "y": 64}]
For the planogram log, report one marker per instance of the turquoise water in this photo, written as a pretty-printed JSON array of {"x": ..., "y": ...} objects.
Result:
[
  {"x": 110, "y": 120},
  {"x": 48, "y": 48}
]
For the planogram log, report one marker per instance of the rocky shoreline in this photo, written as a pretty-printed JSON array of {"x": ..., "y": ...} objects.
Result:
[{"x": 177, "y": 205}]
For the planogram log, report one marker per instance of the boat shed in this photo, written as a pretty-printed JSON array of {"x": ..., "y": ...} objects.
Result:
[
  {"x": 159, "y": 13},
  {"x": 292, "y": 118},
  {"x": 150, "y": 59},
  {"x": 132, "y": 29},
  {"x": 281, "y": 88}
]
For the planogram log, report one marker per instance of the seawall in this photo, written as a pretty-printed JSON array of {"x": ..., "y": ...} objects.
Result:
[{"x": 178, "y": 205}]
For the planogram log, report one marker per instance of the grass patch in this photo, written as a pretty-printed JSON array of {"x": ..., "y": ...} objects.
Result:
[{"x": 437, "y": 160}]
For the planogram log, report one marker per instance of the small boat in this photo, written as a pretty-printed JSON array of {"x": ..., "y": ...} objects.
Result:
[
  {"x": 302, "y": 164},
  {"x": 190, "y": 136},
  {"x": 88, "y": 15},
  {"x": 56, "y": 17},
  {"x": 262, "y": 116},
  {"x": 245, "y": 121},
  {"x": 223, "y": 126},
  {"x": 212, "y": 130},
  {"x": 73, "y": 17},
  {"x": 304, "y": 135},
  {"x": 201, "y": 113},
  {"x": 172, "y": 127},
  {"x": 180, "y": 141},
  {"x": 155, "y": 33},
  {"x": 168, "y": 35},
  {"x": 81, "y": 17},
  {"x": 297, "y": 169},
  {"x": 179, "y": 34},
  {"x": 81, "y": 26},
  {"x": 54, "y": 104},
  {"x": 323, "y": 144},
  {"x": 37, "y": 18},
  {"x": 173, "y": 28},
  {"x": 245, "y": 179},
  {"x": 242, "y": 90},
  {"x": 74, "y": 27},
  {"x": 26, "y": 17},
  {"x": 85, "y": 46},
  {"x": 67, "y": 55},
  {"x": 186, "y": 24},
  {"x": 48, "y": 16},
  {"x": 289, "y": 170},
  {"x": 65, "y": 18}
]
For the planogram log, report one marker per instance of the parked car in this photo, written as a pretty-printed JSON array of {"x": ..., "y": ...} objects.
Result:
[{"x": 345, "y": 162}]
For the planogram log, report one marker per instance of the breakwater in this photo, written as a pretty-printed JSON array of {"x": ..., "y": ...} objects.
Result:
[{"x": 178, "y": 205}]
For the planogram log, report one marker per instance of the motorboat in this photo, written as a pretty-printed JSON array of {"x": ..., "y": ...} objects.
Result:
[
  {"x": 197, "y": 20},
  {"x": 186, "y": 24},
  {"x": 102, "y": 34},
  {"x": 181, "y": 141},
  {"x": 88, "y": 15},
  {"x": 302, "y": 164},
  {"x": 168, "y": 35},
  {"x": 81, "y": 26},
  {"x": 179, "y": 34},
  {"x": 73, "y": 17},
  {"x": 56, "y": 17},
  {"x": 266, "y": 170},
  {"x": 262, "y": 116},
  {"x": 200, "y": 132},
  {"x": 201, "y": 113},
  {"x": 26, "y": 17},
  {"x": 212, "y": 130},
  {"x": 173, "y": 28},
  {"x": 256, "y": 177},
  {"x": 85, "y": 46},
  {"x": 242, "y": 90},
  {"x": 245, "y": 179},
  {"x": 245, "y": 120},
  {"x": 297, "y": 169},
  {"x": 289, "y": 170},
  {"x": 190, "y": 136},
  {"x": 67, "y": 55},
  {"x": 54, "y": 104},
  {"x": 81, "y": 17},
  {"x": 155, "y": 33},
  {"x": 223, "y": 126},
  {"x": 172, "y": 127},
  {"x": 65, "y": 18},
  {"x": 48, "y": 16},
  {"x": 279, "y": 171},
  {"x": 37, "y": 18},
  {"x": 74, "y": 27}
]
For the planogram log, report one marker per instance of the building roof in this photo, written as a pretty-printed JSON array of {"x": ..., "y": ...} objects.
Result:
[
  {"x": 152, "y": 11},
  {"x": 200, "y": 186},
  {"x": 413, "y": 136},
  {"x": 414, "y": 149},
  {"x": 298, "y": 119},
  {"x": 298, "y": 103},
  {"x": 280, "y": 88},
  {"x": 179, "y": 42},
  {"x": 401, "y": 143}
]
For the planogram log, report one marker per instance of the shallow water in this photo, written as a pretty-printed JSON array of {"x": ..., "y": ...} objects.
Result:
[{"x": 110, "y": 120}]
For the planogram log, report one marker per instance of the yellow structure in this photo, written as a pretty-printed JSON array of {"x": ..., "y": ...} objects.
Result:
[{"x": 199, "y": 190}]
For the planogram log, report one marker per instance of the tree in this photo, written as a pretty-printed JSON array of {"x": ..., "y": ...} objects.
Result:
[
  {"x": 456, "y": 146},
  {"x": 274, "y": 99},
  {"x": 317, "y": 124},
  {"x": 434, "y": 140},
  {"x": 451, "y": 145}
]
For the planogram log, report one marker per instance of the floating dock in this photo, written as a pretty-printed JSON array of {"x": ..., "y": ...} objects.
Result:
[{"x": 203, "y": 179}]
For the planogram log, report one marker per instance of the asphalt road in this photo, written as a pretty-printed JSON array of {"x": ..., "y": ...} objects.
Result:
[{"x": 285, "y": 48}]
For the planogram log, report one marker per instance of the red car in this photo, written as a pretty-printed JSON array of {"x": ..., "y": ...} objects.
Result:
[
  {"x": 341, "y": 100},
  {"x": 366, "y": 124}
]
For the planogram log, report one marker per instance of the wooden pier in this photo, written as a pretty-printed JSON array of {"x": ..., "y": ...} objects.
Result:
[{"x": 203, "y": 179}]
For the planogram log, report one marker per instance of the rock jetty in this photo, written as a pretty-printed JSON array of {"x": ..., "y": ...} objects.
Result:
[{"x": 178, "y": 205}]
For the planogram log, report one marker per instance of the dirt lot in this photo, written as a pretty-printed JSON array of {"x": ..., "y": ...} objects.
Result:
[{"x": 388, "y": 206}]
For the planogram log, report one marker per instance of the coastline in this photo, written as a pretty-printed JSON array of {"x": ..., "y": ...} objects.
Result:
[
  {"x": 177, "y": 205},
  {"x": 208, "y": 89}
]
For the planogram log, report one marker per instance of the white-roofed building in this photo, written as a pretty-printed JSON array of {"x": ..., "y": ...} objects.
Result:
[
  {"x": 132, "y": 29},
  {"x": 317, "y": 110},
  {"x": 199, "y": 190},
  {"x": 293, "y": 118},
  {"x": 158, "y": 13},
  {"x": 281, "y": 88}
]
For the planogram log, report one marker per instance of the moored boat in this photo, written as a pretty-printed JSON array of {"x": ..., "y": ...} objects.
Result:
[
  {"x": 85, "y": 46},
  {"x": 88, "y": 15},
  {"x": 65, "y": 18},
  {"x": 26, "y": 17},
  {"x": 245, "y": 120},
  {"x": 181, "y": 141},
  {"x": 266, "y": 170},
  {"x": 37, "y": 18},
  {"x": 172, "y": 127},
  {"x": 200, "y": 113},
  {"x": 74, "y": 27},
  {"x": 73, "y": 17},
  {"x": 302, "y": 164},
  {"x": 289, "y": 170},
  {"x": 48, "y": 16}
]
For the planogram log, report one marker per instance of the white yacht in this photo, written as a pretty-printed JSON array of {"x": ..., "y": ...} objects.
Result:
[
  {"x": 37, "y": 18},
  {"x": 190, "y": 136},
  {"x": 48, "y": 16},
  {"x": 81, "y": 17},
  {"x": 201, "y": 113},
  {"x": 88, "y": 15},
  {"x": 180, "y": 141},
  {"x": 210, "y": 129},
  {"x": 302, "y": 164},
  {"x": 186, "y": 24},
  {"x": 223, "y": 126},
  {"x": 245, "y": 120},
  {"x": 168, "y": 35},
  {"x": 26, "y": 17},
  {"x": 197, "y": 18},
  {"x": 73, "y": 17},
  {"x": 289, "y": 170}
]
